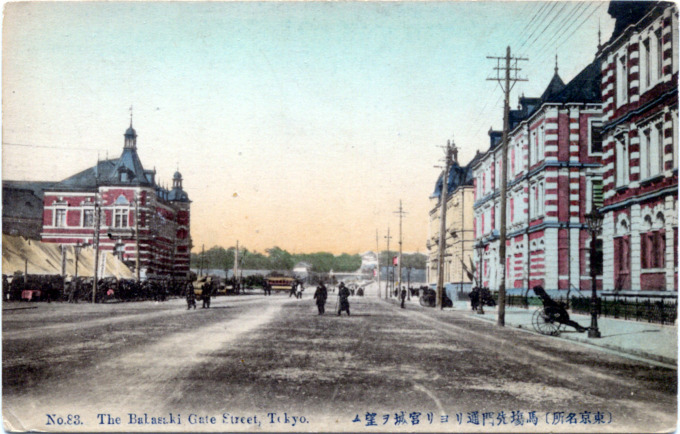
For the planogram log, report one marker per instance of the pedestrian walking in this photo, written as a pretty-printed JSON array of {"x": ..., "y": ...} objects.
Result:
[
  {"x": 206, "y": 293},
  {"x": 321, "y": 295},
  {"x": 298, "y": 290},
  {"x": 293, "y": 286},
  {"x": 343, "y": 295},
  {"x": 267, "y": 289},
  {"x": 191, "y": 296},
  {"x": 72, "y": 289},
  {"x": 403, "y": 297}
]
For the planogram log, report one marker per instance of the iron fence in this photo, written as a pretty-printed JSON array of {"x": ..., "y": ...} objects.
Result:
[{"x": 653, "y": 309}]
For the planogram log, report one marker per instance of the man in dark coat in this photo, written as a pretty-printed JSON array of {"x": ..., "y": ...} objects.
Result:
[
  {"x": 343, "y": 294},
  {"x": 206, "y": 293},
  {"x": 321, "y": 295},
  {"x": 191, "y": 296},
  {"x": 293, "y": 286},
  {"x": 403, "y": 297}
]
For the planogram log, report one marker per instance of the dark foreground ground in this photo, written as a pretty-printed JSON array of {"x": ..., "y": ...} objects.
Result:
[{"x": 270, "y": 364}]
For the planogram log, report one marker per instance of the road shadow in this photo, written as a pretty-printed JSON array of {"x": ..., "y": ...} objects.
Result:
[
  {"x": 354, "y": 315},
  {"x": 632, "y": 333}
]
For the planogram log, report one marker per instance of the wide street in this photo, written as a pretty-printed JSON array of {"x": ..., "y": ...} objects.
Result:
[{"x": 230, "y": 368}]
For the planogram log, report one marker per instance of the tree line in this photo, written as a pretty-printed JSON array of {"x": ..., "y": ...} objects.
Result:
[{"x": 276, "y": 258}]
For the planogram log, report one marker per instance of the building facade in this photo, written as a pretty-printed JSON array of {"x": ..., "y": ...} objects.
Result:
[
  {"x": 553, "y": 179},
  {"x": 640, "y": 94},
  {"x": 142, "y": 223},
  {"x": 22, "y": 208},
  {"x": 459, "y": 228}
]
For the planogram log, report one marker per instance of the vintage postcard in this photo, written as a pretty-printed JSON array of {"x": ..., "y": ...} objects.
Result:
[{"x": 340, "y": 216}]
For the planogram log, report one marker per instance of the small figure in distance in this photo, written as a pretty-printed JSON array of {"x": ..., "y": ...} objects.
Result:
[
  {"x": 191, "y": 296},
  {"x": 320, "y": 295},
  {"x": 343, "y": 295}
]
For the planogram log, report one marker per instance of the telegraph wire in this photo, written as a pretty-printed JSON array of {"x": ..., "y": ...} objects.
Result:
[
  {"x": 538, "y": 26},
  {"x": 563, "y": 26},
  {"x": 581, "y": 25},
  {"x": 557, "y": 14},
  {"x": 558, "y": 36},
  {"x": 23, "y": 145},
  {"x": 567, "y": 25}
]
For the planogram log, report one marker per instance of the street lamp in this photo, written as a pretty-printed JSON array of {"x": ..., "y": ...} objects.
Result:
[{"x": 594, "y": 222}]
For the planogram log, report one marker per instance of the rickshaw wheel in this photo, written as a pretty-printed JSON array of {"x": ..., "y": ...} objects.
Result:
[{"x": 545, "y": 323}]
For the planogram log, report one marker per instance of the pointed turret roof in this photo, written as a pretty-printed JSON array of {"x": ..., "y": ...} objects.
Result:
[{"x": 584, "y": 88}]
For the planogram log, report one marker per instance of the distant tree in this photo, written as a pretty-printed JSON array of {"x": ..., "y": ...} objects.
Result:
[
  {"x": 280, "y": 259},
  {"x": 276, "y": 258},
  {"x": 414, "y": 260}
]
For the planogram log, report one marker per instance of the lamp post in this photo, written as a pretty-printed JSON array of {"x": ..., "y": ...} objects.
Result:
[
  {"x": 480, "y": 251},
  {"x": 594, "y": 221}
]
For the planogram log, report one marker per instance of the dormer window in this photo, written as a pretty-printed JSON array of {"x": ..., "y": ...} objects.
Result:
[{"x": 123, "y": 176}]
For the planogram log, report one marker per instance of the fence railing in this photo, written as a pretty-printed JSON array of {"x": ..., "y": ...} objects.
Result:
[{"x": 653, "y": 309}]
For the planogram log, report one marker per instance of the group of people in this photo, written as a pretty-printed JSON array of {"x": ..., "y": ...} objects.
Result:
[
  {"x": 296, "y": 289},
  {"x": 207, "y": 290},
  {"x": 321, "y": 295}
]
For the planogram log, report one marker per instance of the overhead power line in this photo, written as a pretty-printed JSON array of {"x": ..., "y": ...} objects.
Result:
[{"x": 61, "y": 148}]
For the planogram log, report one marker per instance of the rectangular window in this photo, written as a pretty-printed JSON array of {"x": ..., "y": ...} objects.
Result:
[
  {"x": 652, "y": 250},
  {"x": 621, "y": 81},
  {"x": 60, "y": 218},
  {"x": 120, "y": 218},
  {"x": 512, "y": 210},
  {"x": 595, "y": 137},
  {"x": 621, "y": 162},
  {"x": 597, "y": 194},
  {"x": 674, "y": 142},
  {"x": 88, "y": 218},
  {"x": 512, "y": 161},
  {"x": 659, "y": 147},
  {"x": 660, "y": 249},
  {"x": 646, "y": 63},
  {"x": 659, "y": 54},
  {"x": 645, "y": 155}
]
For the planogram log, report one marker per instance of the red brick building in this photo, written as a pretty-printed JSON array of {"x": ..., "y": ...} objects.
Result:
[
  {"x": 140, "y": 222},
  {"x": 640, "y": 96},
  {"x": 554, "y": 153}
]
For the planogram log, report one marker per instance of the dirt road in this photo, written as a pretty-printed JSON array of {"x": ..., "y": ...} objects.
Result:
[{"x": 273, "y": 364}]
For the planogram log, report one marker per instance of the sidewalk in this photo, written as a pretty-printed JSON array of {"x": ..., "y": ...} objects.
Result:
[
  {"x": 649, "y": 341},
  {"x": 642, "y": 339}
]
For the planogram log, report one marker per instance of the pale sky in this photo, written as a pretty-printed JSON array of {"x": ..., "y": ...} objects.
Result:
[{"x": 298, "y": 125}]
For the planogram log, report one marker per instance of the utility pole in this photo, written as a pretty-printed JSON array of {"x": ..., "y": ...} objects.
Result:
[
  {"x": 377, "y": 252},
  {"x": 137, "y": 261},
  {"x": 236, "y": 263},
  {"x": 97, "y": 223},
  {"x": 401, "y": 214},
  {"x": 200, "y": 270},
  {"x": 448, "y": 152},
  {"x": 389, "y": 263},
  {"x": 506, "y": 84}
]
